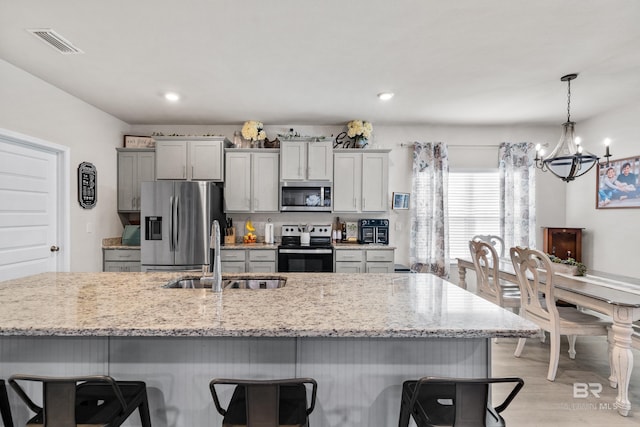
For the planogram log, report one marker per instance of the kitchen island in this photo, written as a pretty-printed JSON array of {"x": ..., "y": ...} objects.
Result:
[{"x": 358, "y": 335}]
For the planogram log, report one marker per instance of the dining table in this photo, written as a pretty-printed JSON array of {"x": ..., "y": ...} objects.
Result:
[{"x": 617, "y": 299}]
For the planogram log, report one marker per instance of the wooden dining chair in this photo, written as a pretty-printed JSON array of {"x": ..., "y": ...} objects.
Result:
[
  {"x": 536, "y": 278},
  {"x": 496, "y": 241},
  {"x": 486, "y": 262}
]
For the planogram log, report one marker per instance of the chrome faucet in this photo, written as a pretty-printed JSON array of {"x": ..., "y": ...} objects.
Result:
[{"x": 216, "y": 279}]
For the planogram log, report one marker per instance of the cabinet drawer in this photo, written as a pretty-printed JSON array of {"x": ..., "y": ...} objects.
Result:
[
  {"x": 380, "y": 255},
  {"x": 233, "y": 267},
  {"x": 262, "y": 255},
  {"x": 122, "y": 255},
  {"x": 232, "y": 255},
  {"x": 380, "y": 267},
  {"x": 262, "y": 267},
  {"x": 349, "y": 267},
  {"x": 348, "y": 255}
]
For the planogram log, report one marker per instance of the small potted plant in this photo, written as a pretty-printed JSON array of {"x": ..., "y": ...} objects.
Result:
[{"x": 568, "y": 266}]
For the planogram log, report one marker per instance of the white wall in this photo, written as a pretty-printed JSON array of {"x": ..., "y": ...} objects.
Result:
[
  {"x": 611, "y": 235},
  {"x": 32, "y": 107}
]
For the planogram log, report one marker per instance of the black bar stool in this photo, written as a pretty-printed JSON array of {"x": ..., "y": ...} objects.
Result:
[
  {"x": 97, "y": 399},
  {"x": 5, "y": 410},
  {"x": 458, "y": 402},
  {"x": 266, "y": 403}
]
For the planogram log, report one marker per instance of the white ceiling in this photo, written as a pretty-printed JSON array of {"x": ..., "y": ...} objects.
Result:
[{"x": 323, "y": 62}]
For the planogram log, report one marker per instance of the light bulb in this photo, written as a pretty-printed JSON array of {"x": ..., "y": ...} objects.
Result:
[
  {"x": 577, "y": 140},
  {"x": 607, "y": 142},
  {"x": 538, "y": 147}
]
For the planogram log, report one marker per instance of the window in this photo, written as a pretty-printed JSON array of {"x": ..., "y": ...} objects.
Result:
[{"x": 474, "y": 207}]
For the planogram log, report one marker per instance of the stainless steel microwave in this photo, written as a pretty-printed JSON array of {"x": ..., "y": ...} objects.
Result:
[{"x": 305, "y": 196}]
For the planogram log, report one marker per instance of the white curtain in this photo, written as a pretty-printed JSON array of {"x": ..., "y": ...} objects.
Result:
[
  {"x": 429, "y": 246},
  {"x": 517, "y": 194}
]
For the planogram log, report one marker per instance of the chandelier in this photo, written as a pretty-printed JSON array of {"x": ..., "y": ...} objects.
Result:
[{"x": 568, "y": 160}]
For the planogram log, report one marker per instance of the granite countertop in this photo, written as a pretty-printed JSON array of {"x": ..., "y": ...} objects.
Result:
[
  {"x": 250, "y": 246},
  {"x": 116, "y": 243},
  {"x": 341, "y": 245},
  {"x": 310, "y": 305}
]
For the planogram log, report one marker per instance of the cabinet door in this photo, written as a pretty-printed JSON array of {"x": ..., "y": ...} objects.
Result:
[
  {"x": 380, "y": 267},
  {"x": 237, "y": 182},
  {"x": 347, "y": 175},
  {"x": 265, "y": 182},
  {"x": 127, "y": 180},
  {"x": 171, "y": 159},
  {"x": 320, "y": 161},
  {"x": 293, "y": 160},
  {"x": 206, "y": 160},
  {"x": 375, "y": 179},
  {"x": 349, "y": 267},
  {"x": 262, "y": 267},
  {"x": 146, "y": 172}
]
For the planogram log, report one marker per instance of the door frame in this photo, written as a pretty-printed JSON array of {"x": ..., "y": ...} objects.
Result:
[{"x": 63, "y": 188}]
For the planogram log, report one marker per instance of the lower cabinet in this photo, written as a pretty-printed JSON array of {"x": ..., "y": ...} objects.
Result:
[
  {"x": 121, "y": 260},
  {"x": 364, "y": 260},
  {"x": 248, "y": 260}
]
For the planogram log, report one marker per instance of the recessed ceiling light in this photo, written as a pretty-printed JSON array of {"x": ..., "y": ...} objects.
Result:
[
  {"x": 170, "y": 96},
  {"x": 385, "y": 96}
]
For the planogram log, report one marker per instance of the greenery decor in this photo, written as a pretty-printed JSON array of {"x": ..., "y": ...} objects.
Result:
[
  {"x": 581, "y": 268},
  {"x": 253, "y": 130}
]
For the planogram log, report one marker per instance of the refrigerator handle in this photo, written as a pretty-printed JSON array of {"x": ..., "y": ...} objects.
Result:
[
  {"x": 171, "y": 248},
  {"x": 177, "y": 224}
]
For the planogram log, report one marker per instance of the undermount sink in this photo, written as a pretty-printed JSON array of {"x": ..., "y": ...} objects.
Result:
[{"x": 270, "y": 282}]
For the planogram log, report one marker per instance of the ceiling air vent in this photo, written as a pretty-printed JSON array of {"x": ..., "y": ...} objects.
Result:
[{"x": 55, "y": 40}]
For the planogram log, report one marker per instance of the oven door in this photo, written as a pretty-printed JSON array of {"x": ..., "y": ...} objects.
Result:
[{"x": 318, "y": 260}]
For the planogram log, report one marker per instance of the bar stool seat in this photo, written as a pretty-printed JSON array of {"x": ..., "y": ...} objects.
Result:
[
  {"x": 266, "y": 403},
  {"x": 97, "y": 400}
]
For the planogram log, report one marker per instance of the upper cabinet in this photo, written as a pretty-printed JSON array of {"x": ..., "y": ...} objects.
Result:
[
  {"x": 190, "y": 158},
  {"x": 361, "y": 180},
  {"x": 251, "y": 180},
  {"x": 306, "y": 160},
  {"x": 134, "y": 167}
]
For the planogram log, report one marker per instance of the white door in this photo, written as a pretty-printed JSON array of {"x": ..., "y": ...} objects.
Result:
[{"x": 32, "y": 239}]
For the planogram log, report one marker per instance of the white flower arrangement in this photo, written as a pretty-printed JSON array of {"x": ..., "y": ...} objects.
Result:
[
  {"x": 359, "y": 128},
  {"x": 253, "y": 131}
]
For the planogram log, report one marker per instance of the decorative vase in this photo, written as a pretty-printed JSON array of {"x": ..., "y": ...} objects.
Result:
[{"x": 361, "y": 141}]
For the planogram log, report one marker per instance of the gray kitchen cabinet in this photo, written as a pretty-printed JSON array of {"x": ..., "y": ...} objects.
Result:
[
  {"x": 251, "y": 180},
  {"x": 248, "y": 260},
  {"x": 364, "y": 260},
  {"x": 349, "y": 261},
  {"x": 306, "y": 160},
  {"x": 361, "y": 181},
  {"x": 379, "y": 260},
  {"x": 134, "y": 167},
  {"x": 119, "y": 260},
  {"x": 190, "y": 158}
]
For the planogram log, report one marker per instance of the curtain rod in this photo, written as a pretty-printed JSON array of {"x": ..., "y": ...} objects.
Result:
[{"x": 407, "y": 144}]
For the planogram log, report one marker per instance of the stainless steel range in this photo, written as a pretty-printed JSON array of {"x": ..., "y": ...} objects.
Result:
[{"x": 305, "y": 248}]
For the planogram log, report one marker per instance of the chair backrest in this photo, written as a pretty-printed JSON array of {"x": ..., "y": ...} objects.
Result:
[
  {"x": 485, "y": 260},
  {"x": 262, "y": 398},
  {"x": 5, "y": 409},
  {"x": 536, "y": 278},
  {"x": 59, "y": 396},
  {"x": 468, "y": 396},
  {"x": 496, "y": 242}
]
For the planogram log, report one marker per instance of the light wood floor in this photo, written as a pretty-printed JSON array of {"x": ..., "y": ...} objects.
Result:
[{"x": 546, "y": 403}]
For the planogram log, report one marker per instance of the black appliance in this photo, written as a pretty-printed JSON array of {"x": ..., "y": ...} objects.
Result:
[
  {"x": 314, "y": 256},
  {"x": 373, "y": 231},
  {"x": 305, "y": 196}
]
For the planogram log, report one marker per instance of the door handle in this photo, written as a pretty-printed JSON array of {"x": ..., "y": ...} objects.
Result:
[
  {"x": 54, "y": 248},
  {"x": 171, "y": 225}
]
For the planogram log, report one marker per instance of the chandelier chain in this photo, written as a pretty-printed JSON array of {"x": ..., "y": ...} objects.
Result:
[{"x": 568, "y": 100}]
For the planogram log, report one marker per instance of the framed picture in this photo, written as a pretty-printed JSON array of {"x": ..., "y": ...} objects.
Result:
[
  {"x": 134, "y": 141},
  {"x": 617, "y": 184},
  {"x": 400, "y": 201}
]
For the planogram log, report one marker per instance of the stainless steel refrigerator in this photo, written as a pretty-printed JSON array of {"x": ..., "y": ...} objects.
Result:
[{"x": 176, "y": 219}]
